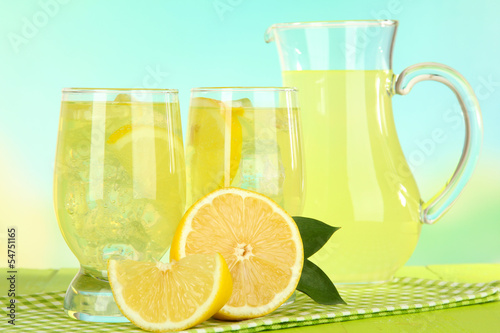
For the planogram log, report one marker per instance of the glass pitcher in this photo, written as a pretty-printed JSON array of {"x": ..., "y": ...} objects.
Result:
[{"x": 357, "y": 177}]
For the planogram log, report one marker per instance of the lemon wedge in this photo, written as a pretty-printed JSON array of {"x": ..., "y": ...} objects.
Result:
[{"x": 174, "y": 296}]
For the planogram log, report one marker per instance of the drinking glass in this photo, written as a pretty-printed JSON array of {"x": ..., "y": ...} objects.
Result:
[
  {"x": 119, "y": 186},
  {"x": 245, "y": 137}
]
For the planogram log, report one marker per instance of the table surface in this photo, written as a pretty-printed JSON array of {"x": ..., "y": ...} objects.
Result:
[{"x": 473, "y": 318}]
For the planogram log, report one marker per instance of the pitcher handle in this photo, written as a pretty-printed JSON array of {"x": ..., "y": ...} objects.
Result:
[{"x": 433, "y": 209}]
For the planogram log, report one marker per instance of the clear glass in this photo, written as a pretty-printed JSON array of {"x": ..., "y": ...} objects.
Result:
[
  {"x": 357, "y": 175},
  {"x": 246, "y": 137},
  {"x": 119, "y": 186}
]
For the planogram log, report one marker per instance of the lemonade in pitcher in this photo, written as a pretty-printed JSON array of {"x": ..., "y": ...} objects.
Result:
[
  {"x": 119, "y": 185},
  {"x": 357, "y": 177},
  {"x": 360, "y": 168}
]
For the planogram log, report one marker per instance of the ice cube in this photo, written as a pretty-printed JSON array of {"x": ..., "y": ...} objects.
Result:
[
  {"x": 262, "y": 168},
  {"x": 121, "y": 251},
  {"x": 150, "y": 216},
  {"x": 242, "y": 103}
]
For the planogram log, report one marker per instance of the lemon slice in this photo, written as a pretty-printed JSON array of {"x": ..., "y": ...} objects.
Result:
[
  {"x": 206, "y": 155},
  {"x": 259, "y": 240},
  {"x": 172, "y": 296}
]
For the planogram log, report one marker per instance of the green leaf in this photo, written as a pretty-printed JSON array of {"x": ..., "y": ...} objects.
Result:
[
  {"x": 316, "y": 284},
  {"x": 314, "y": 234},
  {"x": 313, "y": 281}
]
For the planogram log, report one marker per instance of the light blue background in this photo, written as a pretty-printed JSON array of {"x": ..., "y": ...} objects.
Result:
[{"x": 186, "y": 44}]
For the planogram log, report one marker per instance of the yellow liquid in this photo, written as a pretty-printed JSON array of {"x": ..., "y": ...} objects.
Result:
[
  {"x": 356, "y": 175},
  {"x": 263, "y": 156},
  {"x": 119, "y": 180}
]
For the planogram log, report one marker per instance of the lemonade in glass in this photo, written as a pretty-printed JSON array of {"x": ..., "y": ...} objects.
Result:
[
  {"x": 119, "y": 186},
  {"x": 245, "y": 137}
]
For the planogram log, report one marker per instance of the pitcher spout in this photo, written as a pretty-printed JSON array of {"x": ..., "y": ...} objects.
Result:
[{"x": 269, "y": 34}]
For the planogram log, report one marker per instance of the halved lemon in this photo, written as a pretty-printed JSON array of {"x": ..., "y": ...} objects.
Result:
[
  {"x": 259, "y": 240},
  {"x": 162, "y": 297},
  {"x": 210, "y": 122}
]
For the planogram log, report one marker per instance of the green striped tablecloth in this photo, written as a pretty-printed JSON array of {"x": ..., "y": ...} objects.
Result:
[{"x": 43, "y": 312}]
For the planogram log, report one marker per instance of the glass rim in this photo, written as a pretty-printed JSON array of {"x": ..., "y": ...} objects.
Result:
[
  {"x": 263, "y": 89},
  {"x": 119, "y": 90},
  {"x": 339, "y": 23},
  {"x": 329, "y": 24}
]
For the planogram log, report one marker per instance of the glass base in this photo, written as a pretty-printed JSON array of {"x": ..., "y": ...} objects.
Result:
[{"x": 90, "y": 298}]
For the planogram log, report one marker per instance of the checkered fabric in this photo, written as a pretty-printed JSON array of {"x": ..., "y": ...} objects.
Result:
[{"x": 44, "y": 313}]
